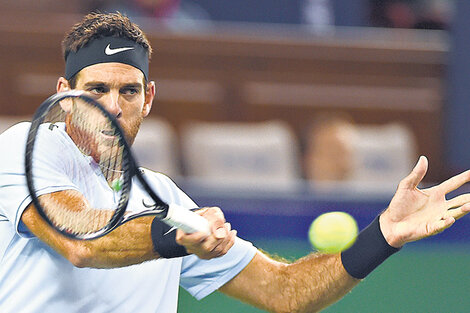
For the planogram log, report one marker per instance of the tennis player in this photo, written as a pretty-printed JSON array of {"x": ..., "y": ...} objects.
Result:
[{"x": 139, "y": 266}]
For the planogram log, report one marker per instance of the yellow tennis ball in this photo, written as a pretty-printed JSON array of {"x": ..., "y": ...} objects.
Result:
[{"x": 333, "y": 232}]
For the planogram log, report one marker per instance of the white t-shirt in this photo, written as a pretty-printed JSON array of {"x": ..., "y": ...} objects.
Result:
[{"x": 34, "y": 278}]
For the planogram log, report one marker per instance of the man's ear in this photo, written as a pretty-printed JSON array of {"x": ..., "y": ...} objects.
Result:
[
  {"x": 63, "y": 85},
  {"x": 150, "y": 92}
]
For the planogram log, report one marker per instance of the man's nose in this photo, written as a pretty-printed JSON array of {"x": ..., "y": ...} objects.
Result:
[{"x": 113, "y": 105}]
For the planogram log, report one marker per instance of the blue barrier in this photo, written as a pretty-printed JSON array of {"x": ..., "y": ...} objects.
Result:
[{"x": 275, "y": 215}]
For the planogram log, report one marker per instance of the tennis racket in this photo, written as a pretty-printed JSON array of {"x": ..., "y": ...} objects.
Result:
[{"x": 97, "y": 133}]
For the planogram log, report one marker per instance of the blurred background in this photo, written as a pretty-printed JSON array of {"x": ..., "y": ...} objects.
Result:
[{"x": 280, "y": 110}]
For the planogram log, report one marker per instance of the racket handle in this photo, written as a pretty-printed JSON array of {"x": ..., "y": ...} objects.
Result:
[{"x": 186, "y": 220}]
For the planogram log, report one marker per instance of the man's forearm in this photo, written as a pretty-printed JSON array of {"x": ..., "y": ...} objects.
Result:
[
  {"x": 308, "y": 285},
  {"x": 316, "y": 281},
  {"x": 126, "y": 245}
]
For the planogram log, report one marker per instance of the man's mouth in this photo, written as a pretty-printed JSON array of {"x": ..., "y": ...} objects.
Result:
[{"x": 109, "y": 133}]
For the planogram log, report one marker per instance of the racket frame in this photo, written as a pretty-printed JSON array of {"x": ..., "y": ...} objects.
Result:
[
  {"x": 37, "y": 121},
  {"x": 174, "y": 215}
]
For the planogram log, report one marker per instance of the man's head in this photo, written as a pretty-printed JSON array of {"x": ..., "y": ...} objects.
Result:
[
  {"x": 107, "y": 56},
  {"x": 101, "y": 38}
]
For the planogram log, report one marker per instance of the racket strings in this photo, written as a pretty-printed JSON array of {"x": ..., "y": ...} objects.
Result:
[
  {"x": 94, "y": 135},
  {"x": 111, "y": 163},
  {"x": 76, "y": 222},
  {"x": 55, "y": 115}
]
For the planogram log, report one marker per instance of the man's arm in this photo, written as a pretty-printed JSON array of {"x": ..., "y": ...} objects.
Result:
[
  {"x": 128, "y": 244},
  {"x": 318, "y": 280},
  {"x": 308, "y": 285}
]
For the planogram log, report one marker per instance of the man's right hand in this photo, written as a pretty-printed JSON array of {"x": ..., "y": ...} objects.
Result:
[{"x": 218, "y": 243}]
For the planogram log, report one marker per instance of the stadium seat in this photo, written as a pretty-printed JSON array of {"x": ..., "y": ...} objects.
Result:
[
  {"x": 245, "y": 155},
  {"x": 155, "y": 147},
  {"x": 383, "y": 154},
  {"x": 376, "y": 158}
]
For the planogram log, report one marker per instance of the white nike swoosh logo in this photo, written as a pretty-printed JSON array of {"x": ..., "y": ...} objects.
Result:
[
  {"x": 110, "y": 51},
  {"x": 169, "y": 231}
]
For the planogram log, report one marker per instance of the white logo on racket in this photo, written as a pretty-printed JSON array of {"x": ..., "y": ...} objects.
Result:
[
  {"x": 170, "y": 230},
  {"x": 111, "y": 51},
  {"x": 152, "y": 206}
]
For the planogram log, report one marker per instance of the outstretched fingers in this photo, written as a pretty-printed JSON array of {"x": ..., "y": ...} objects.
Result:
[
  {"x": 417, "y": 174},
  {"x": 459, "y": 212},
  {"x": 442, "y": 225},
  {"x": 455, "y": 182},
  {"x": 458, "y": 201}
]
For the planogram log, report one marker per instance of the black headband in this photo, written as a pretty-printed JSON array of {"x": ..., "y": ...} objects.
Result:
[{"x": 106, "y": 50}]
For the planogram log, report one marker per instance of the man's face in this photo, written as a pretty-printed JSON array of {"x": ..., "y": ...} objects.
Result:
[{"x": 120, "y": 89}]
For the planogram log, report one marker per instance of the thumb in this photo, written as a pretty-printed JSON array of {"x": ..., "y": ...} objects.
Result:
[{"x": 417, "y": 174}]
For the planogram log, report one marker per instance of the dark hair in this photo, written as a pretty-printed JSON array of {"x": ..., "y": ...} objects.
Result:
[{"x": 98, "y": 25}]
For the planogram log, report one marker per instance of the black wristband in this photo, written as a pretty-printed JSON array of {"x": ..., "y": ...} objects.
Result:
[
  {"x": 164, "y": 242},
  {"x": 368, "y": 252}
]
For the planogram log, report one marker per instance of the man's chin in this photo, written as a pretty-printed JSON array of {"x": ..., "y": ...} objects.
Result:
[{"x": 130, "y": 135}]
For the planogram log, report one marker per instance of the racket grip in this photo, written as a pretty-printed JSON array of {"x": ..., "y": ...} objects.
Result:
[{"x": 186, "y": 220}]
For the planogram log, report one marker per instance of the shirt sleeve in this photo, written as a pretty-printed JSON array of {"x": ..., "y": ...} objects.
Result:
[
  {"x": 49, "y": 177},
  {"x": 202, "y": 277}
]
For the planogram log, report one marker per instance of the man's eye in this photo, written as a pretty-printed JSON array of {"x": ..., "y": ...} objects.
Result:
[
  {"x": 130, "y": 91},
  {"x": 98, "y": 90}
]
